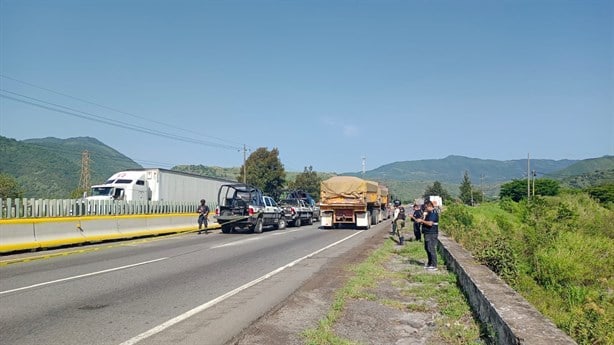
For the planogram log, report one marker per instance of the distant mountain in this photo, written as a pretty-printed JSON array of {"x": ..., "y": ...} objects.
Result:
[
  {"x": 226, "y": 173},
  {"x": 452, "y": 168},
  {"x": 51, "y": 167},
  {"x": 587, "y": 173},
  {"x": 408, "y": 179}
]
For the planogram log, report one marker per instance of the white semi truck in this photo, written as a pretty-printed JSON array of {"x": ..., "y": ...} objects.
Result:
[{"x": 157, "y": 184}]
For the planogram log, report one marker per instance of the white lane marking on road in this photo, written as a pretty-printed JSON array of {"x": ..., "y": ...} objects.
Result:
[
  {"x": 236, "y": 243},
  {"x": 81, "y": 276},
  {"x": 283, "y": 232},
  {"x": 229, "y": 294}
]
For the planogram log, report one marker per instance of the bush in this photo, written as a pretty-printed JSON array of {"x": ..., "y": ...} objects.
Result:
[
  {"x": 556, "y": 251},
  {"x": 500, "y": 258}
]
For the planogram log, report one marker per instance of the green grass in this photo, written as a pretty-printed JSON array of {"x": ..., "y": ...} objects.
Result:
[
  {"x": 556, "y": 251},
  {"x": 440, "y": 292}
]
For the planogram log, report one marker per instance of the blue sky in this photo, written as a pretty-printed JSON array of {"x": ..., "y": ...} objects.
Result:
[{"x": 325, "y": 82}]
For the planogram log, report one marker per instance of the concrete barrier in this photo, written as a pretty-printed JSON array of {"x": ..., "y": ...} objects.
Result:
[
  {"x": 17, "y": 234},
  {"x": 513, "y": 319},
  {"x": 36, "y": 233},
  {"x": 55, "y": 232},
  {"x": 97, "y": 229}
]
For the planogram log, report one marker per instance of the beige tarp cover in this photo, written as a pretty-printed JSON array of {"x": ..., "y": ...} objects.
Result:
[
  {"x": 347, "y": 187},
  {"x": 383, "y": 191}
]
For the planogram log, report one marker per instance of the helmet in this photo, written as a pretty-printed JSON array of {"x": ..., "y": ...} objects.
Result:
[{"x": 397, "y": 203}]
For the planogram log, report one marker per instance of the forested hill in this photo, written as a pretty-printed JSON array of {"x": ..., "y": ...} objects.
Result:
[
  {"x": 51, "y": 167},
  {"x": 586, "y": 173},
  {"x": 452, "y": 168}
]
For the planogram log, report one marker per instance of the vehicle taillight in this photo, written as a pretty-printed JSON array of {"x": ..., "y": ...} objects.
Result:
[
  {"x": 250, "y": 211},
  {"x": 293, "y": 210}
]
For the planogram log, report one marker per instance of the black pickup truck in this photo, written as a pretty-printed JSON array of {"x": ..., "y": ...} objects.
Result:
[
  {"x": 296, "y": 212},
  {"x": 309, "y": 202},
  {"x": 241, "y": 206}
]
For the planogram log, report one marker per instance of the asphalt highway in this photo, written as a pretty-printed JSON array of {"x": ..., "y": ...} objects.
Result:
[{"x": 182, "y": 289}]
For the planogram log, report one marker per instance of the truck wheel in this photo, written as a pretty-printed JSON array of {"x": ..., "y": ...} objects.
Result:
[
  {"x": 297, "y": 222},
  {"x": 281, "y": 224},
  {"x": 258, "y": 226},
  {"x": 226, "y": 229},
  {"x": 310, "y": 221}
]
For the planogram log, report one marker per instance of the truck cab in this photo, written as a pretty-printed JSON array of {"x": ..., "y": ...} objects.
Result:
[{"x": 126, "y": 185}]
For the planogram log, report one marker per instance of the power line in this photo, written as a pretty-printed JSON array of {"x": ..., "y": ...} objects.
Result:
[
  {"x": 97, "y": 118},
  {"x": 112, "y": 109}
]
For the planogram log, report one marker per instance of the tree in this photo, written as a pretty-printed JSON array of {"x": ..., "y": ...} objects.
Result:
[
  {"x": 309, "y": 182},
  {"x": 517, "y": 189},
  {"x": 437, "y": 189},
  {"x": 9, "y": 187},
  {"x": 78, "y": 193},
  {"x": 603, "y": 193},
  {"x": 466, "y": 190},
  {"x": 265, "y": 171}
]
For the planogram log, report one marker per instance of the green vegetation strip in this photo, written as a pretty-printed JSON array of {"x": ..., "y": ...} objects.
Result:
[
  {"x": 555, "y": 251},
  {"x": 439, "y": 291}
]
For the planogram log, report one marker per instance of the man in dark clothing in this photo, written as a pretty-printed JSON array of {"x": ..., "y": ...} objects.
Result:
[
  {"x": 417, "y": 215},
  {"x": 430, "y": 229},
  {"x": 203, "y": 213}
]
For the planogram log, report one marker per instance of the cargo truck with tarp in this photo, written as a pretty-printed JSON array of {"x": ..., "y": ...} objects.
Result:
[
  {"x": 384, "y": 200},
  {"x": 351, "y": 201}
]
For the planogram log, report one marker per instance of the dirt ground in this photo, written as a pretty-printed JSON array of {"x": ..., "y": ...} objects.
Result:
[{"x": 363, "y": 321}]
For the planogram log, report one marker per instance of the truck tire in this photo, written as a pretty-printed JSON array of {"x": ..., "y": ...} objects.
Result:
[
  {"x": 281, "y": 224},
  {"x": 226, "y": 229},
  {"x": 258, "y": 226},
  {"x": 297, "y": 222},
  {"x": 310, "y": 221}
]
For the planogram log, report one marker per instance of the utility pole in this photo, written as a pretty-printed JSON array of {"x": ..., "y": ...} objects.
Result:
[
  {"x": 84, "y": 179},
  {"x": 244, "y": 165},
  {"x": 364, "y": 165},
  {"x": 534, "y": 174},
  {"x": 482, "y": 186},
  {"x": 528, "y": 177}
]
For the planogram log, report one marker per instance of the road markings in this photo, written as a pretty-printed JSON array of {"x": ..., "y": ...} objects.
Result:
[
  {"x": 256, "y": 238},
  {"x": 81, "y": 276},
  {"x": 225, "y": 296},
  {"x": 95, "y": 247},
  {"x": 236, "y": 243}
]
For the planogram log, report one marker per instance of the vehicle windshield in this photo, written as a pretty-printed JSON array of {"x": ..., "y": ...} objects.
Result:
[
  {"x": 293, "y": 202},
  {"x": 102, "y": 191}
]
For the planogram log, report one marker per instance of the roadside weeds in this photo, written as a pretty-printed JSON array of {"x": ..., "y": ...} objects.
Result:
[{"x": 392, "y": 299}]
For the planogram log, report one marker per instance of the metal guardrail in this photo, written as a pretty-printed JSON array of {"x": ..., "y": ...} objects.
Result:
[{"x": 41, "y": 208}]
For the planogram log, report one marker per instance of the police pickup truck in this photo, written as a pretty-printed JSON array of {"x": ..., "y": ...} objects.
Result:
[
  {"x": 244, "y": 207},
  {"x": 296, "y": 212}
]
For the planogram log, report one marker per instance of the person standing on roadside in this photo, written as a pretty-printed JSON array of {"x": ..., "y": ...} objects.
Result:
[
  {"x": 203, "y": 213},
  {"x": 399, "y": 223},
  {"x": 395, "y": 214},
  {"x": 417, "y": 226},
  {"x": 430, "y": 229}
]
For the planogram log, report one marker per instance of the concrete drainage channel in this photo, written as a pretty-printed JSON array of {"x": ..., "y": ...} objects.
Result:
[{"x": 512, "y": 318}]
